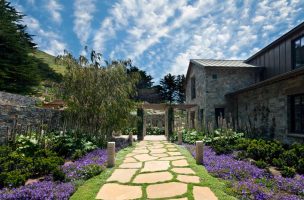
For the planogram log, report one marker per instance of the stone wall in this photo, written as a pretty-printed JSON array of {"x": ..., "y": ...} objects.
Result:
[
  {"x": 210, "y": 91},
  {"x": 227, "y": 80},
  {"x": 18, "y": 114},
  {"x": 264, "y": 111},
  {"x": 16, "y": 99}
]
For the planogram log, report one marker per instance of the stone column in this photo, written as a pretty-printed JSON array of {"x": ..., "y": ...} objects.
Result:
[
  {"x": 199, "y": 152},
  {"x": 166, "y": 124},
  {"x": 144, "y": 124},
  {"x": 180, "y": 137},
  {"x": 130, "y": 138},
  {"x": 111, "y": 154}
]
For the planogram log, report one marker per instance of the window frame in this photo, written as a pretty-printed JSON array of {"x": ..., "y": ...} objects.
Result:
[
  {"x": 292, "y": 111},
  {"x": 293, "y": 46}
]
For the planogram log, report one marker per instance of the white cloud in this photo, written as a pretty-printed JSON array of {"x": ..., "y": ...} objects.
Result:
[
  {"x": 54, "y": 8},
  {"x": 83, "y": 13},
  {"x": 47, "y": 41}
]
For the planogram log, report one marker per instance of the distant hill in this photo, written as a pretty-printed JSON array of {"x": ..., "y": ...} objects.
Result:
[{"x": 50, "y": 60}]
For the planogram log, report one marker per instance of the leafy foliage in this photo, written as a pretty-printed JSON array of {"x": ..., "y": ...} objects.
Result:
[{"x": 98, "y": 97}]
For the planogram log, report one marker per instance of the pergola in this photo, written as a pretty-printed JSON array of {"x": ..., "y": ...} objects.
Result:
[{"x": 163, "y": 107}]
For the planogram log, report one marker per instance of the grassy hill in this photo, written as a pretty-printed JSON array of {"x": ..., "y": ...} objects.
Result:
[{"x": 50, "y": 60}]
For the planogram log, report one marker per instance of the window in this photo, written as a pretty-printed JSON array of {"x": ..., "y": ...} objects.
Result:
[
  {"x": 298, "y": 52},
  {"x": 193, "y": 88},
  {"x": 297, "y": 113},
  {"x": 214, "y": 76}
]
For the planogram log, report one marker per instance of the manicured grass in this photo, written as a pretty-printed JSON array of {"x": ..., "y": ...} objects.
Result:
[
  {"x": 91, "y": 187},
  {"x": 219, "y": 187}
]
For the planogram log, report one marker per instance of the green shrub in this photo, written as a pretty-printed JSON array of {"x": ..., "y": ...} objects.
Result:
[
  {"x": 261, "y": 164},
  {"x": 58, "y": 175},
  {"x": 300, "y": 166},
  {"x": 242, "y": 155},
  {"x": 290, "y": 157},
  {"x": 16, "y": 161},
  {"x": 91, "y": 171},
  {"x": 13, "y": 178},
  {"x": 264, "y": 150},
  {"x": 46, "y": 161},
  {"x": 242, "y": 143},
  {"x": 278, "y": 162},
  {"x": 27, "y": 144},
  {"x": 222, "y": 146},
  {"x": 289, "y": 172},
  {"x": 77, "y": 154}
]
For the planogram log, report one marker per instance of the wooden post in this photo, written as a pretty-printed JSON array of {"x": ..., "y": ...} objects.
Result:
[
  {"x": 199, "y": 152},
  {"x": 180, "y": 137},
  {"x": 111, "y": 154},
  {"x": 144, "y": 124}
]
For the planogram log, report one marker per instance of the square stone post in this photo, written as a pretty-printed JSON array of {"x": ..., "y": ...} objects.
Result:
[
  {"x": 199, "y": 152},
  {"x": 111, "y": 154},
  {"x": 180, "y": 137},
  {"x": 144, "y": 124},
  {"x": 130, "y": 138},
  {"x": 166, "y": 124}
]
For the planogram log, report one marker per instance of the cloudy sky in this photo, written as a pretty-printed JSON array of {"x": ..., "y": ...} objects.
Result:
[{"x": 160, "y": 36}]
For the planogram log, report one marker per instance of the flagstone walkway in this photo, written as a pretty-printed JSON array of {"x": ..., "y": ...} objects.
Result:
[{"x": 155, "y": 169}]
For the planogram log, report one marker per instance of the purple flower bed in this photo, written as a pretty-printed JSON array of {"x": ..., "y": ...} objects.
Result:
[
  {"x": 74, "y": 170},
  {"x": 56, "y": 190},
  {"x": 37, "y": 191},
  {"x": 248, "y": 181}
]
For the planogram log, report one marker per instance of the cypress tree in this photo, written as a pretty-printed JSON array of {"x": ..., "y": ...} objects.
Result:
[{"x": 18, "y": 69}]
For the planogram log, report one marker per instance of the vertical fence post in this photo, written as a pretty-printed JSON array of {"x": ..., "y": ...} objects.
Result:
[
  {"x": 199, "y": 152},
  {"x": 111, "y": 154},
  {"x": 180, "y": 137}
]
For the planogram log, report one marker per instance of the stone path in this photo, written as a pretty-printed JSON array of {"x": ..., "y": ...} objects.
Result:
[{"x": 155, "y": 169}]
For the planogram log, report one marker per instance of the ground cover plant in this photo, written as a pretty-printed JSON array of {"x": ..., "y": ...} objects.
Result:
[{"x": 245, "y": 164}]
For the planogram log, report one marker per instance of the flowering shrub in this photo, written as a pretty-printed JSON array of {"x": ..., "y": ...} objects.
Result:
[
  {"x": 41, "y": 190},
  {"x": 77, "y": 170},
  {"x": 248, "y": 181}
]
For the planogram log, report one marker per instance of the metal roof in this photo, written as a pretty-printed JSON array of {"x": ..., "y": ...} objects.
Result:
[{"x": 221, "y": 63}]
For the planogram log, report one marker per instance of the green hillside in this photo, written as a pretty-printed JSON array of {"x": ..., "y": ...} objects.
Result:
[{"x": 50, "y": 60}]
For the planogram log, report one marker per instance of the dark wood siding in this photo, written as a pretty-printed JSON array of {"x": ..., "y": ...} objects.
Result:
[{"x": 277, "y": 59}]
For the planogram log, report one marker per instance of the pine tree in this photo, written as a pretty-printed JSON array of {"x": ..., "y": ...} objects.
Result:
[
  {"x": 180, "y": 88},
  {"x": 18, "y": 70},
  {"x": 168, "y": 85}
]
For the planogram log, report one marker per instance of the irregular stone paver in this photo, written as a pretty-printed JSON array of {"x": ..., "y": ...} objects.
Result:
[
  {"x": 173, "y": 158},
  {"x": 148, "y": 164},
  {"x": 183, "y": 170},
  {"x": 122, "y": 175},
  {"x": 158, "y": 150},
  {"x": 188, "y": 179},
  {"x": 160, "y": 155},
  {"x": 174, "y": 153},
  {"x": 130, "y": 160},
  {"x": 153, "y": 166},
  {"x": 131, "y": 165},
  {"x": 172, "y": 149},
  {"x": 145, "y": 157},
  {"x": 140, "y": 151},
  {"x": 203, "y": 193},
  {"x": 165, "y": 190},
  {"x": 153, "y": 177},
  {"x": 114, "y": 191},
  {"x": 180, "y": 163}
]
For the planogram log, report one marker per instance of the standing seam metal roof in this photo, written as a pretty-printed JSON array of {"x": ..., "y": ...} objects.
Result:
[{"x": 221, "y": 63}]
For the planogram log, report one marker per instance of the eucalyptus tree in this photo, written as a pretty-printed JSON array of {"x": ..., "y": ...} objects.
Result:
[{"x": 97, "y": 94}]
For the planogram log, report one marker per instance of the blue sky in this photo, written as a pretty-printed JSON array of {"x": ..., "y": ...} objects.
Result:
[{"x": 160, "y": 36}]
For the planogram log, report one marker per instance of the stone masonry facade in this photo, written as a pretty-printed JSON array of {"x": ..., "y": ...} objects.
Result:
[
  {"x": 265, "y": 110},
  {"x": 211, "y": 84}
]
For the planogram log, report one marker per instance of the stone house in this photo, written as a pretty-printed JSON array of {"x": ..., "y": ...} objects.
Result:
[{"x": 263, "y": 95}]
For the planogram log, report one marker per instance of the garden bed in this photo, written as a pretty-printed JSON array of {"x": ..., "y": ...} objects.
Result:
[{"x": 248, "y": 181}]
